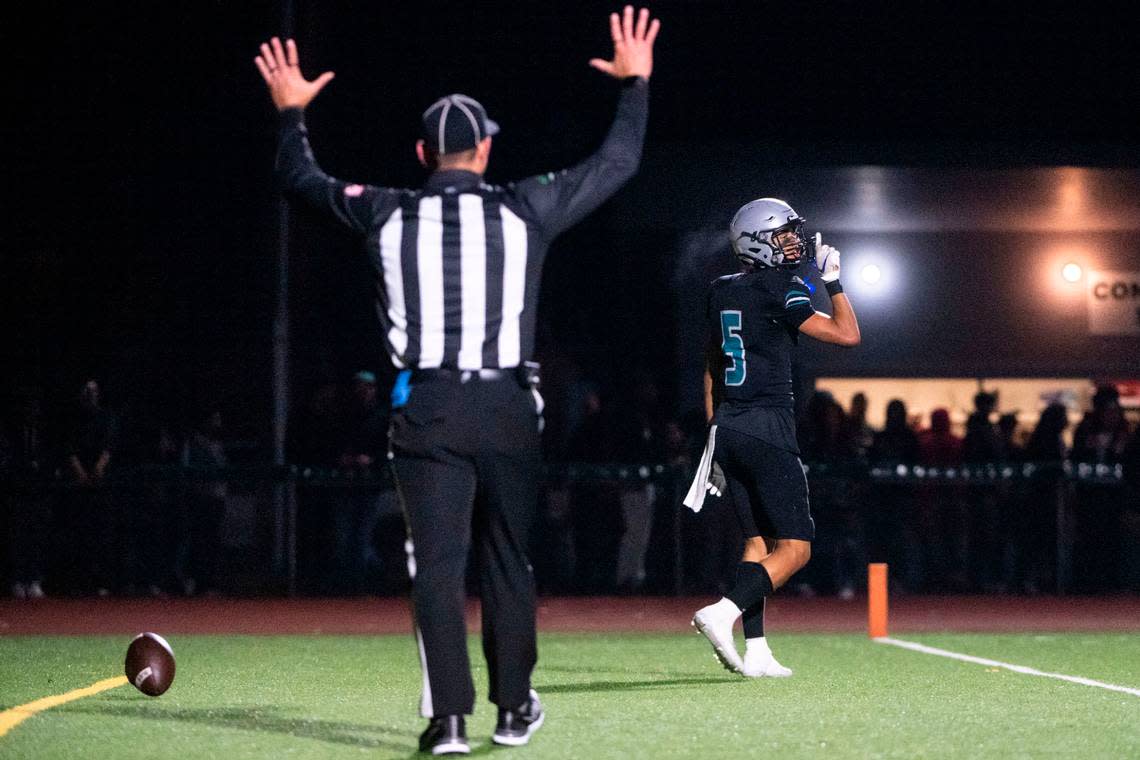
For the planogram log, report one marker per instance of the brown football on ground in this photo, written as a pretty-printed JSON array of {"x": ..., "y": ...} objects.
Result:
[{"x": 150, "y": 664}]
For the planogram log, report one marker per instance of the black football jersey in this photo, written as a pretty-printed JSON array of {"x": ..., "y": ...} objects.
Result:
[{"x": 754, "y": 321}]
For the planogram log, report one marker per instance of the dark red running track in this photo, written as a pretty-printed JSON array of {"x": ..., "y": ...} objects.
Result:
[{"x": 586, "y": 614}]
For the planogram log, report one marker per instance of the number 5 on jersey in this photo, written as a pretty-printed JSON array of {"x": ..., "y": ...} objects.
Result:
[{"x": 733, "y": 347}]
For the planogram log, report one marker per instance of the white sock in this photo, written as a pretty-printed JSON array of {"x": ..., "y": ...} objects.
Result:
[
  {"x": 757, "y": 646},
  {"x": 727, "y": 608}
]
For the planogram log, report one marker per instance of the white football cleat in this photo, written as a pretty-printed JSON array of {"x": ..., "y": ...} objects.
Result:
[
  {"x": 759, "y": 663},
  {"x": 716, "y": 626}
]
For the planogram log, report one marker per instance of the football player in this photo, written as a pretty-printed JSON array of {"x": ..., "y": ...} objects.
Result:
[{"x": 755, "y": 318}]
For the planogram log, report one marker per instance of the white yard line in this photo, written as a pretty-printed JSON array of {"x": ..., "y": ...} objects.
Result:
[{"x": 996, "y": 664}]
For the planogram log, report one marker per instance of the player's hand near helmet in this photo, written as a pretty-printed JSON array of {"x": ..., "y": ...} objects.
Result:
[
  {"x": 281, "y": 71},
  {"x": 633, "y": 45},
  {"x": 841, "y": 328},
  {"x": 827, "y": 259}
]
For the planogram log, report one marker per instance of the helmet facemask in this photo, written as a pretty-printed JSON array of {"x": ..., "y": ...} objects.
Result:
[
  {"x": 789, "y": 244},
  {"x": 785, "y": 246}
]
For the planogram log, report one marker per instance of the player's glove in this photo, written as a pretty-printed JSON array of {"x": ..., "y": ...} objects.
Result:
[
  {"x": 827, "y": 259},
  {"x": 717, "y": 484}
]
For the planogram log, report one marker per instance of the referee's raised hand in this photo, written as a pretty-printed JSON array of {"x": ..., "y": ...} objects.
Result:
[
  {"x": 633, "y": 46},
  {"x": 281, "y": 71}
]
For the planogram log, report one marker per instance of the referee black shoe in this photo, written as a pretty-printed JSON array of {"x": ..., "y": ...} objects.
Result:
[
  {"x": 446, "y": 735},
  {"x": 516, "y": 726}
]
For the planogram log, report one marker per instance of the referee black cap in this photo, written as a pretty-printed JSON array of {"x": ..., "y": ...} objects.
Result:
[{"x": 456, "y": 123}]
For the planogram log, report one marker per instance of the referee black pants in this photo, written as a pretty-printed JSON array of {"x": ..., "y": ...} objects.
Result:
[{"x": 467, "y": 463}]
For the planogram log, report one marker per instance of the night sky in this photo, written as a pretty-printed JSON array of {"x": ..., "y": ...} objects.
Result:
[{"x": 141, "y": 244}]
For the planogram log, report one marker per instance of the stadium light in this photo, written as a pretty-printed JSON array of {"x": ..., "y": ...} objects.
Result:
[
  {"x": 876, "y": 272},
  {"x": 1072, "y": 272}
]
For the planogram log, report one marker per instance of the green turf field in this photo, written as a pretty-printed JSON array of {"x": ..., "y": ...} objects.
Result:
[{"x": 607, "y": 696}]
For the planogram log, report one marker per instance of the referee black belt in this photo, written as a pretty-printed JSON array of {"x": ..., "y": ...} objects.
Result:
[
  {"x": 525, "y": 374},
  {"x": 459, "y": 375}
]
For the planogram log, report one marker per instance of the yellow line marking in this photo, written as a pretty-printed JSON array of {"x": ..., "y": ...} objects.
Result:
[{"x": 14, "y": 716}]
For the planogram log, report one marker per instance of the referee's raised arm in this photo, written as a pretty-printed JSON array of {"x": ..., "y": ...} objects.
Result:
[
  {"x": 558, "y": 200},
  {"x": 298, "y": 173}
]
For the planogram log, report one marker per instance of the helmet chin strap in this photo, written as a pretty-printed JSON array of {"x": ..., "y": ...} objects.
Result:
[{"x": 782, "y": 256}]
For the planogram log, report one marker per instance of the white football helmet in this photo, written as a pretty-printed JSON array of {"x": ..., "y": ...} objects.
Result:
[{"x": 768, "y": 232}]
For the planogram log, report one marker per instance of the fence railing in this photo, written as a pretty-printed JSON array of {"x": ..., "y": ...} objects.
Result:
[
  {"x": 276, "y": 522},
  {"x": 126, "y": 476}
]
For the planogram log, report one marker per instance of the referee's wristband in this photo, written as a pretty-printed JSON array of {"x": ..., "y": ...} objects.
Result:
[{"x": 834, "y": 288}]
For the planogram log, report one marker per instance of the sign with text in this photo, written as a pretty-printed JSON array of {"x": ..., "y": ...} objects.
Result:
[{"x": 1114, "y": 303}]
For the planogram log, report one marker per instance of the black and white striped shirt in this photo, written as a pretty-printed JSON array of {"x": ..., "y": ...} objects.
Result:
[{"x": 458, "y": 262}]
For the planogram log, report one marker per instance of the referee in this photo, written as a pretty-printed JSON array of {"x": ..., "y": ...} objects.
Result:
[{"x": 457, "y": 266}]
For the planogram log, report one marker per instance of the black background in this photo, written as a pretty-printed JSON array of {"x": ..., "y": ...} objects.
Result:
[{"x": 141, "y": 235}]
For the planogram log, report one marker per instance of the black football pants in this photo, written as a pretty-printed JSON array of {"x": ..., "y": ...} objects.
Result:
[{"x": 467, "y": 464}]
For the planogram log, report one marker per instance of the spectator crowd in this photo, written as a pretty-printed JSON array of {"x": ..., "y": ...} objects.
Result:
[
  {"x": 84, "y": 512},
  {"x": 991, "y": 535}
]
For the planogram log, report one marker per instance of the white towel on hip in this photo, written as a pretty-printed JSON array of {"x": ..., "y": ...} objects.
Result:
[{"x": 695, "y": 498}]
